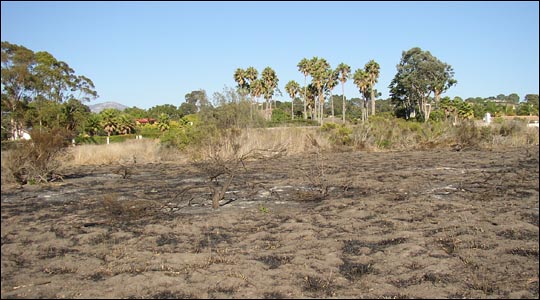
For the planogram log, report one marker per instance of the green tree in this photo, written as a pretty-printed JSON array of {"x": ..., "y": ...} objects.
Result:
[
  {"x": 304, "y": 66},
  {"x": 532, "y": 99},
  {"x": 240, "y": 79},
  {"x": 18, "y": 84},
  {"x": 361, "y": 80},
  {"x": 256, "y": 89},
  {"x": 125, "y": 124},
  {"x": 372, "y": 70},
  {"x": 109, "y": 121},
  {"x": 187, "y": 109},
  {"x": 251, "y": 75},
  {"x": 330, "y": 83},
  {"x": 418, "y": 75},
  {"x": 269, "y": 83},
  {"x": 136, "y": 113},
  {"x": 292, "y": 88},
  {"x": 29, "y": 76},
  {"x": 318, "y": 71},
  {"x": 197, "y": 98},
  {"x": 344, "y": 72},
  {"x": 164, "y": 122},
  {"x": 170, "y": 110},
  {"x": 74, "y": 114},
  {"x": 93, "y": 124},
  {"x": 513, "y": 98}
]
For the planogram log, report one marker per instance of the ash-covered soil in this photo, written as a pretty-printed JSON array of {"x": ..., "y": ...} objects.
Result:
[{"x": 415, "y": 224}]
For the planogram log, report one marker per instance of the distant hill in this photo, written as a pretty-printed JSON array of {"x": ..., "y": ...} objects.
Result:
[{"x": 96, "y": 108}]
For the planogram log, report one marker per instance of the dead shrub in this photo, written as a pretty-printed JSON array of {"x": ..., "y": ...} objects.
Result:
[
  {"x": 38, "y": 159},
  {"x": 128, "y": 210},
  {"x": 221, "y": 159}
]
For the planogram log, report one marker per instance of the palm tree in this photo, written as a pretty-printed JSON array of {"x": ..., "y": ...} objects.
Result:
[
  {"x": 251, "y": 75},
  {"x": 108, "y": 121},
  {"x": 361, "y": 80},
  {"x": 292, "y": 88},
  {"x": 372, "y": 70},
  {"x": 92, "y": 124},
  {"x": 240, "y": 78},
  {"x": 304, "y": 66},
  {"x": 256, "y": 89},
  {"x": 330, "y": 84},
  {"x": 269, "y": 83},
  {"x": 164, "y": 122},
  {"x": 319, "y": 67},
  {"x": 125, "y": 124},
  {"x": 344, "y": 72}
]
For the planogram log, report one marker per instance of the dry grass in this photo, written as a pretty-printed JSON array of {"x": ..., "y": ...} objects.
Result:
[
  {"x": 139, "y": 151},
  {"x": 293, "y": 140},
  {"x": 150, "y": 151}
]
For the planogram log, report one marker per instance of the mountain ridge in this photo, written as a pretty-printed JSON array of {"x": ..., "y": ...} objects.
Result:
[{"x": 98, "y": 107}]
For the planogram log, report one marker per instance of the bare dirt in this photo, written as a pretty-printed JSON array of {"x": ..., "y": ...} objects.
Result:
[{"x": 424, "y": 224}]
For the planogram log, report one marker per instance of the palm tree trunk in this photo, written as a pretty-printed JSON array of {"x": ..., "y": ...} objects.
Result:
[
  {"x": 372, "y": 101},
  {"x": 305, "y": 98},
  {"x": 332, "y": 100},
  {"x": 292, "y": 109},
  {"x": 344, "y": 107}
]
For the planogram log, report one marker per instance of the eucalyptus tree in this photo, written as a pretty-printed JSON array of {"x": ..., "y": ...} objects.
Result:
[
  {"x": 18, "y": 86},
  {"x": 418, "y": 75},
  {"x": 27, "y": 76},
  {"x": 344, "y": 72},
  {"x": 361, "y": 79},
  {"x": 304, "y": 66},
  {"x": 269, "y": 83},
  {"x": 73, "y": 115},
  {"x": 372, "y": 69},
  {"x": 442, "y": 80},
  {"x": 292, "y": 88}
]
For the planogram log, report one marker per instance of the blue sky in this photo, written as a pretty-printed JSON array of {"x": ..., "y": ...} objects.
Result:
[{"x": 151, "y": 53}]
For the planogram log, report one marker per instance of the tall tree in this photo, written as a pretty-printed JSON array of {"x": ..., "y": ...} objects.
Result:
[
  {"x": 418, "y": 75},
  {"x": 18, "y": 83},
  {"x": 361, "y": 79},
  {"x": 109, "y": 121},
  {"x": 304, "y": 66},
  {"x": 256, "y": 89},
  {"x": 318, "y": 71},
  {"x": 197, "y": 98},
  {"x": 372, "y": 70},
  {"x": 269, "y": 83},
  {"x": 330, "y": 83},
  {"x": 125, "y": 124},
  {"x": 240, "y": 78},
  {"x": 29, "y": 76},
  {"x": 292, "y": 88},
  {"x": 250, "y": 75},
  {"x": 344, "y": 72}
]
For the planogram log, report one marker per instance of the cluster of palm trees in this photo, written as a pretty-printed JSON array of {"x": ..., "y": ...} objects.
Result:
[
  {"x": 323, "y": 80},
  {"x": 249, "y": 84}
]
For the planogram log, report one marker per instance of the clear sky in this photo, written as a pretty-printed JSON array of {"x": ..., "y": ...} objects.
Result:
[{"x": 151, "y": 53}]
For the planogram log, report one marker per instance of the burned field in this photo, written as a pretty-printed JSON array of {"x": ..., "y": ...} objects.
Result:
[{"x": 415, "y": 224}]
